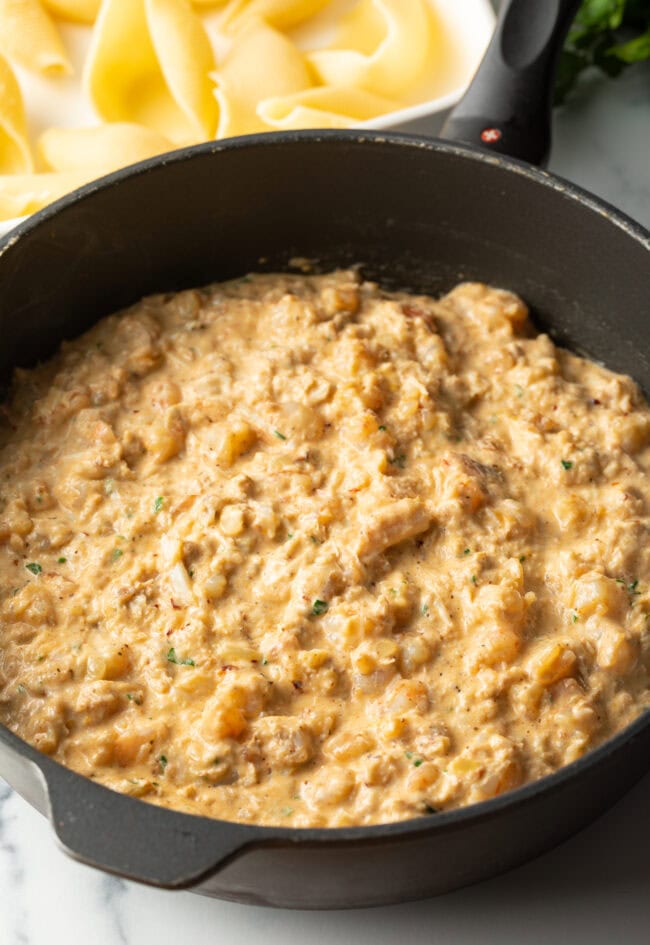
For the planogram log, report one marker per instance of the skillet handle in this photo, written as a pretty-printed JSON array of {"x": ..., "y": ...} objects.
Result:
[
  {"x": 121, "y": 834},
  {"x": 507, "y": 108},
  {"x": 136, "y": 840},
  {"x": 140, "y": 841}
]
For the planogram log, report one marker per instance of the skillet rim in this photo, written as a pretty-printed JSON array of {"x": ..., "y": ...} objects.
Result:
[
  {"x": 425, "y": 825},
  {"x": 555, "y": 182}
]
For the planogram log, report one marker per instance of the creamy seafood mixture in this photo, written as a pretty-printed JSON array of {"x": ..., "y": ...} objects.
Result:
[{"x": 295, "y": 550}]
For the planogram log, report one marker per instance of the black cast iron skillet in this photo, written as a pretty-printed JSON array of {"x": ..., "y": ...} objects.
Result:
[{"x": 419, "y": 214}]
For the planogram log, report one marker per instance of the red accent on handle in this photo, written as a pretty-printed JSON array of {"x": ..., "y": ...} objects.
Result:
[{"x": 490, "y": 135}]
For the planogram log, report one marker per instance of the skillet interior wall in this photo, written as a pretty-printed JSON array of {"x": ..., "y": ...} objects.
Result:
[{"x": 418, "y": 215}]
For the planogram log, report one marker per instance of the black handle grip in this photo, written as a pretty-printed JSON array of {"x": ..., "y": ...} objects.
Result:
[{"x": 507, "y": 108}]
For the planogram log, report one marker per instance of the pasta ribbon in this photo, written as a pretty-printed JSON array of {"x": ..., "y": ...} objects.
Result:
[
  {"x": 77, "y": 11},
  {"x": 149, "y": 64},
  {"x": 324, "y": 107},
  {"x": 26, "y": 193},
  {"x": 28, "y": 36},
  {"x": 282, "y": 14},
  {"x": 152, "y": 76},
  {"x": 106, "y": 147},
  {"x": 15, "y": 156},
  {"x": 262, "y": 63},
  {"x": 381, "y": 46}
]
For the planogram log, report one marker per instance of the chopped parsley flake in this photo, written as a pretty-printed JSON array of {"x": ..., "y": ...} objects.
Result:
[
  {"x": 162, "y": 761},
  {"x": 265, "y": 661},
  {"x": 116, "y": 553},
  {"x": 34, "y": 567},
  {"x": 473, "y": 579},
  {"x": 172, "y": 658},
  {"x": 286, "y": 811},
  {"x": 522, "y": 558},
  {"x": 632, "y": 588},
  {"x": 279, "y": 435},
  {"x": 315, "y": 540},
  {"x": 574, "y": 618},
  {"x": 158, "y": 504},
  {"x": 109, "y": 486},
  {"x": 21, "y": 688},
  {"x": 424, "y": 610},
  {"x": 61, "y": 560},
  {"x": 417, "y": 762},
  {"x": 408, "y": 754},
  {"x": 566, "y": 463},
  {"x": 136, "y": 699},
  {"x": 467, "y": 551},
  {"x": 519, "y": 390},
  {"x": 429, "y": 809},
  {"x": 382, "y": 428},
  {"x": 319, "y": 607}
]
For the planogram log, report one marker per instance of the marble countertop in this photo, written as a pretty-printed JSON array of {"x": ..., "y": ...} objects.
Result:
[{"x": 593, "y": 890}]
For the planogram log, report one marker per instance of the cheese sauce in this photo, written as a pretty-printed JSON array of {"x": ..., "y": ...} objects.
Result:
[{"x": 295, "y": 550}]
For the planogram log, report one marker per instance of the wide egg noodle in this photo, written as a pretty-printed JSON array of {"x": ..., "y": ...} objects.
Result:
[
  {"x": 262, "y": 63},
  {"x": 29, "y": 37},
  {"x": 324, "y": 107},
  {"x": 15, "y": 156},
  {"x": 76, "y": 11},
  {"x": 105, "y": 147},
  {"x": 186, "y": 58},
  {"x": 282, "y": 14},
  {"x": 21, "y": 194},
  {"x": 381, "y": 46},
  {"x": 149, "y": 64}
]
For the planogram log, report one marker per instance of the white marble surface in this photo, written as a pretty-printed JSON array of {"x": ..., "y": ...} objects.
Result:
[{"x": 591, "y": 891}]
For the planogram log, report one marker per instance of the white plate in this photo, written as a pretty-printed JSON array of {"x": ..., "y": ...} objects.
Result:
[{"x": 466, "y": 25}]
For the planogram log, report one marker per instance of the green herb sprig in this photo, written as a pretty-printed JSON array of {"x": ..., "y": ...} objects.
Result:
[
  {"x": 607, "y": 34},
  {"x": 172, "y": 658}
]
